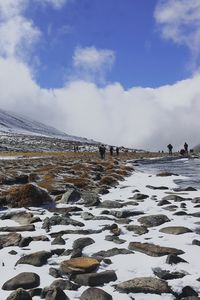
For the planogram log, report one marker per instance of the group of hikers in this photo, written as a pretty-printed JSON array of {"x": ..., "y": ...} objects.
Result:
[
  {"x": 182, "y": 151},
  {"x": 102, "y": 151}
]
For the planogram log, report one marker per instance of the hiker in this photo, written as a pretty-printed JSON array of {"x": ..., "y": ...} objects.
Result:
[
  {"x": 117, "y": 151},
  {"x": 186, "y": 147},
  {"x": 170, "y": 147},
  {"x": 111, "y": 150},
  {"x": 102, "y": 151}
]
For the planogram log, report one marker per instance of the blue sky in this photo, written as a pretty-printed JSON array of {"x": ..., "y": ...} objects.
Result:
[
  {"x": 124, "y": 72},
  {"x": 128, "y": 27}
]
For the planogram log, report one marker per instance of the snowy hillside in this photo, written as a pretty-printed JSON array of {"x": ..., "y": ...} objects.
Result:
[{"x": 17, "y": 124}]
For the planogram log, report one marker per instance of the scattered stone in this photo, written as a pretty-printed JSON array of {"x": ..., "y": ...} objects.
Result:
[
  {"x": 114, "y": 239},
  {"x": 90, "y": 198},
  {"x": 54, "y": 272},
  {"x": 111, "y": 204},
  {"x": 163, "y": 202},
  {"x": 171, "y": 207},
  {"x": 54, "y": 293},
  {"x": 25, "y": 241},
  {"x": 139, "y": 196},
  {"x": 153, "y": 250},
  {"x": 165, "y": 174},
  {"x": 196, "y": 200},
  {"x": 81, "y": 243},
  {"x": 174, "y": 259},
  {"x": 25, "y": 280},
  {"x": 79, "y": 265},
  {"x": 157, "y": 187},
  {"x": 175, "y": 198},
  {"x": 70, "y": 196},
  {"x": 58, "y": 241},
  {"x": 19, "y": 294},
  {"x": 112, "y": 252},
  {"x": 60, "y": 220},
  {"x": 137, "y": 229},
  {"x": 175, "y": 230},
  {"x": 87, "y": 216},
  {"x": 95, "y": 279},
  {"x": 10, "y": 239},
  {"x": 146, "y": 285},
  {"x": 95, "y": 294},
  {"x": 167, "y": 275},
  {"x": 153, "y": 220},
  {"x": 180, "y": 213},
  {"x": 196, "y": 242},
  {"x": 65, "y": 284},
  {"x": 187, "y": 291},
  {"x": 36, "y": 259}
]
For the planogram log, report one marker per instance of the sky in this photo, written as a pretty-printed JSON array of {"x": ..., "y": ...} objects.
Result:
[{"x": 123, "y": 72}]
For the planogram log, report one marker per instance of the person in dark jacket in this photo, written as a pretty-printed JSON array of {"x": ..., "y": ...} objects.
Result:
[
  {"x": 186, "y": 147},
  {"x": 111, "y": 150},
  {"x": 170, "y": 147},
  {"x": 102, "y": 151},
  {"x": 117, "y": 151}
]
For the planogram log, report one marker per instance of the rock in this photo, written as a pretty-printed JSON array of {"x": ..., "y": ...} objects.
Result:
[
  {"x": 64, "y": 284},
  {"x": 187, "y": 291},
  {"x": 146, "y": 285},
  {"x": 18, "y": 228},
  {"x": 153, "y": 250},
  {"x": 10, "y": 239},
  {"x": 180, "y": 213},
  {"x": 196, "y": 242},
  {"x": 157, "y": 187},
  {"x": 115, "y": 230},
  {"x": 167, "y": 275},
  {"x": 175, "y": 230},
  {"x": 58, "y": 241},
  {"x": 174, "y": 198},
  {"x": 60, "y": 220},
  {"x": 35, "y": 292},
  {"x": 165, "y": 174},
  {"x": 70, "y": 196},
  {"x": 114, "y": 239},
  {"x": 21, "y": 217},
  {"x": 174, "y": 259},
  {"x": 25, "y": 280},
  {"x": 87, "y": 216},
  {"x": 125, "y": 213},
  {"x": 27, "y": 195},
  {"x": 196, "y": 200},
  {"x": 170, "y": 207},
  {"x": 139, "y": 196},
  {"x": 95, "y": 294},
  {"x": 90, "y": 198},
  {"x": 112, "y": 252},
  {"x": 196, "y": 214},
  {"x": 25, "y": 241},
  {"x": 54, "y": 293},
  {"x": 153, "y": 220},
  {"x": 36, "y": 259},
  {"x": 79, "y": 265},
  {"x": 111, "y": 204},
  {"x": 19, "y": 294},
  {"x": 82, "y": 243},
  {"x": 137, "y": 229},
  {"x": 95, "y": 279},
  {"x": 76, "y": 253},
  {"x": 186, "y": 189},
  {"x": 54, "y": 272},
  {"x": 163, "y": 202}
]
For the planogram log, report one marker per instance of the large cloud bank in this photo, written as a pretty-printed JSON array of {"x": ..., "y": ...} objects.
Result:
[{"x": 139, "y": 117}]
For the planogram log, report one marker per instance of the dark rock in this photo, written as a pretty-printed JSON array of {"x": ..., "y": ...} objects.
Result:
[
  {"x": 90, "y": 198},
  {"x": 139, "y": 196},
  {"x": 25, "y": 280},
  {"x": 165, "y": 174},
  {"x": 187, "y": 291},
  {"x": 59, "y": 251},
  {"x": 114, "y": 239},
  {"x": 87, "y": 216},
  {"x": 36, "y": 259},
  {"x": 60, "y": 220},
  {"x": 82, "y": 243},
  {"x": 54, "y": 272},
  {"x": 147, "y": 285},
  {"x": 153, "y": 220},
  {"x": 64, "y": 284},
  {"x": 137, "y": 229},
  {"x": 175, "y": 230},
  {"x": 196, "y": 214},
  {"x": 167, "y": 275},
  {"x": 111, "y": 204},
  {"x": 174, "y": 259},
  {"x": 186, "y": 189},
  {"x": 70, "y": 231},
  {"x": 19, "y": 294},
  {"x": 79, "y": 265},
  {"x": 58, "y": 241},
  {"x": 35, "y": 292},
  {"x": 10, "y": 239},
  {"x": 126, "y": 213},
  {"x": 95, "y": 294},
  {"x": 18, "y": 228},
  {"x": 70, "y": 196},
  {"x": 174, "y": 197},
  {"x": 171, "y": 207},
  {"x": 196, "y": 200},
  {"x": 180, "y": 213},
  {"x": 54, "y": 293},
  {"x": 196, "y": 242},
  {"x": 76, "y": 253},
  {"x": 12, "y": 252},
  {"x": 157, "y": 187},
  {"x": 163, "y": 202},
  {"x": 25, "y": 241},
  {"x": 95, "y": 279},
  {"x": 153, "y": 250},
  {"x": 112, "y": 252}
]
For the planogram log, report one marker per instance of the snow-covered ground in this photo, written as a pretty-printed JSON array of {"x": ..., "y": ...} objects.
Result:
[{"x": 126, "y": 266}]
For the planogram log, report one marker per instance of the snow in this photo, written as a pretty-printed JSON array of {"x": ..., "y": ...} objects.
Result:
[{"x": 127, "y": 266}]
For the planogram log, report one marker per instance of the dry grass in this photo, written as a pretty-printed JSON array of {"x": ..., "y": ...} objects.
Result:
[{"x": 47, "y": 182}]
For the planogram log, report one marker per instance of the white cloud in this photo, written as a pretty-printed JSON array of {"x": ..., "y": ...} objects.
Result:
[
  {"x": 57, "y": 4},
  {"x": 179, "y": 21}
]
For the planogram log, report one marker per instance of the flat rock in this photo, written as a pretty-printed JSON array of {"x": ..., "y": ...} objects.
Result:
[
  {"x": 175, "y": 230},
  {"x": 82, "y": 243},
  {"x": 153, "y": 250},
  {"x": 111, "y": 204},
  {"x": 70, "y": 196},
  {"x": 10, "y": 239},
  {"x": 139, "y": 196},
  {"x": 18, "y": 228},
  {"x": 112, "y": 252},
  {"x": 137, "y": 229},
  {"x": 173, "y": 259},
  {"x": 95, "y": 279},
  {"x": 25, "y": 280},
  {"x": 79, "y": 265},
  {"x": 64, "y": 284},
  {"x": 95, "y": 294},
  {"x": 157, "y": 187},
  {"x": 174, "y": 197},
  {"x": 36, "y": 259},
  {"x": 153, "y": 220},
  {"x": 146, "y": 285},
  {"x": 165, "y": 174},
  {"x": 54, "y": 293},
  {"x": 167, "y": 275}
]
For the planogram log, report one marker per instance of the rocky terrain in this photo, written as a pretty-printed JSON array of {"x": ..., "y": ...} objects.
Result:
[{"x": 73, "y": 226}]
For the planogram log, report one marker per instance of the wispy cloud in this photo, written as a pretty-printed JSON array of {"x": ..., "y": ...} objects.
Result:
[
  {"x": 92, "y": 63},
  {"x": 179, "y": 21},
  {"x": 57, "y": 4}
]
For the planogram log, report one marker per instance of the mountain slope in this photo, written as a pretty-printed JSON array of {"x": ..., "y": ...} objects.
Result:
[{"x": 17, "y": 124}]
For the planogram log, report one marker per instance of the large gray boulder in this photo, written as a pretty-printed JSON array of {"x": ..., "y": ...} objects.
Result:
[
  {"x": 153, "y": 220},
  {"x": 95, "y": 279},
  {"x": 25, "y": 280},
  {"x": 19, "y": 294},
  {"x": 176, "y": 230},
  {"x": 36, "y": 259},
  {"x": 95, "y": 294}
]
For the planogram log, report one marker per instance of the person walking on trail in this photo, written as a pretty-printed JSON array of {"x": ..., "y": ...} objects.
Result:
[
  {"x": 111, "y": 150},
  {"x": 102, "y": 151},
  {"x": 117, "y": 151},
  {"x": 186, "y": 147},
  {"x": 170, "y": 147}
]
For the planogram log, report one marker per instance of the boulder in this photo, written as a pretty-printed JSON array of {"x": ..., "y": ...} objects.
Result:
[
  {"x": 36, "y": 259},
  {"x": 64, "y": 284},
  {"x": 79, "y": 265},
  {"x": 153, "y": 250},
  {"x": 95, "y": 279},
  {"x": 18, "y": 228},
  {"x": 54, "y": 293},
  {"x": 111, "y": 252},
  {"x": 167, "y": 275},
  {"x": 27, "y": 195},
  {"x": 174, "y": 259},
  {"x": 111, "y": 204},
  {"x": 95, "y": 293},
  {"x": 146, "y": 285},
  {"x": 10, "y": 239},
  {"x": 19, "y": 294},
  {"x": 153, "y": 220},
  {"x": 82, "y": 243},
  {"x": 176, "y": 230},
  {"x": 70, "y": 196},
  {"x": 25, "y": 280},
  {"x": 137, "y": 229},
  {"x": 139, "y": 196}
]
